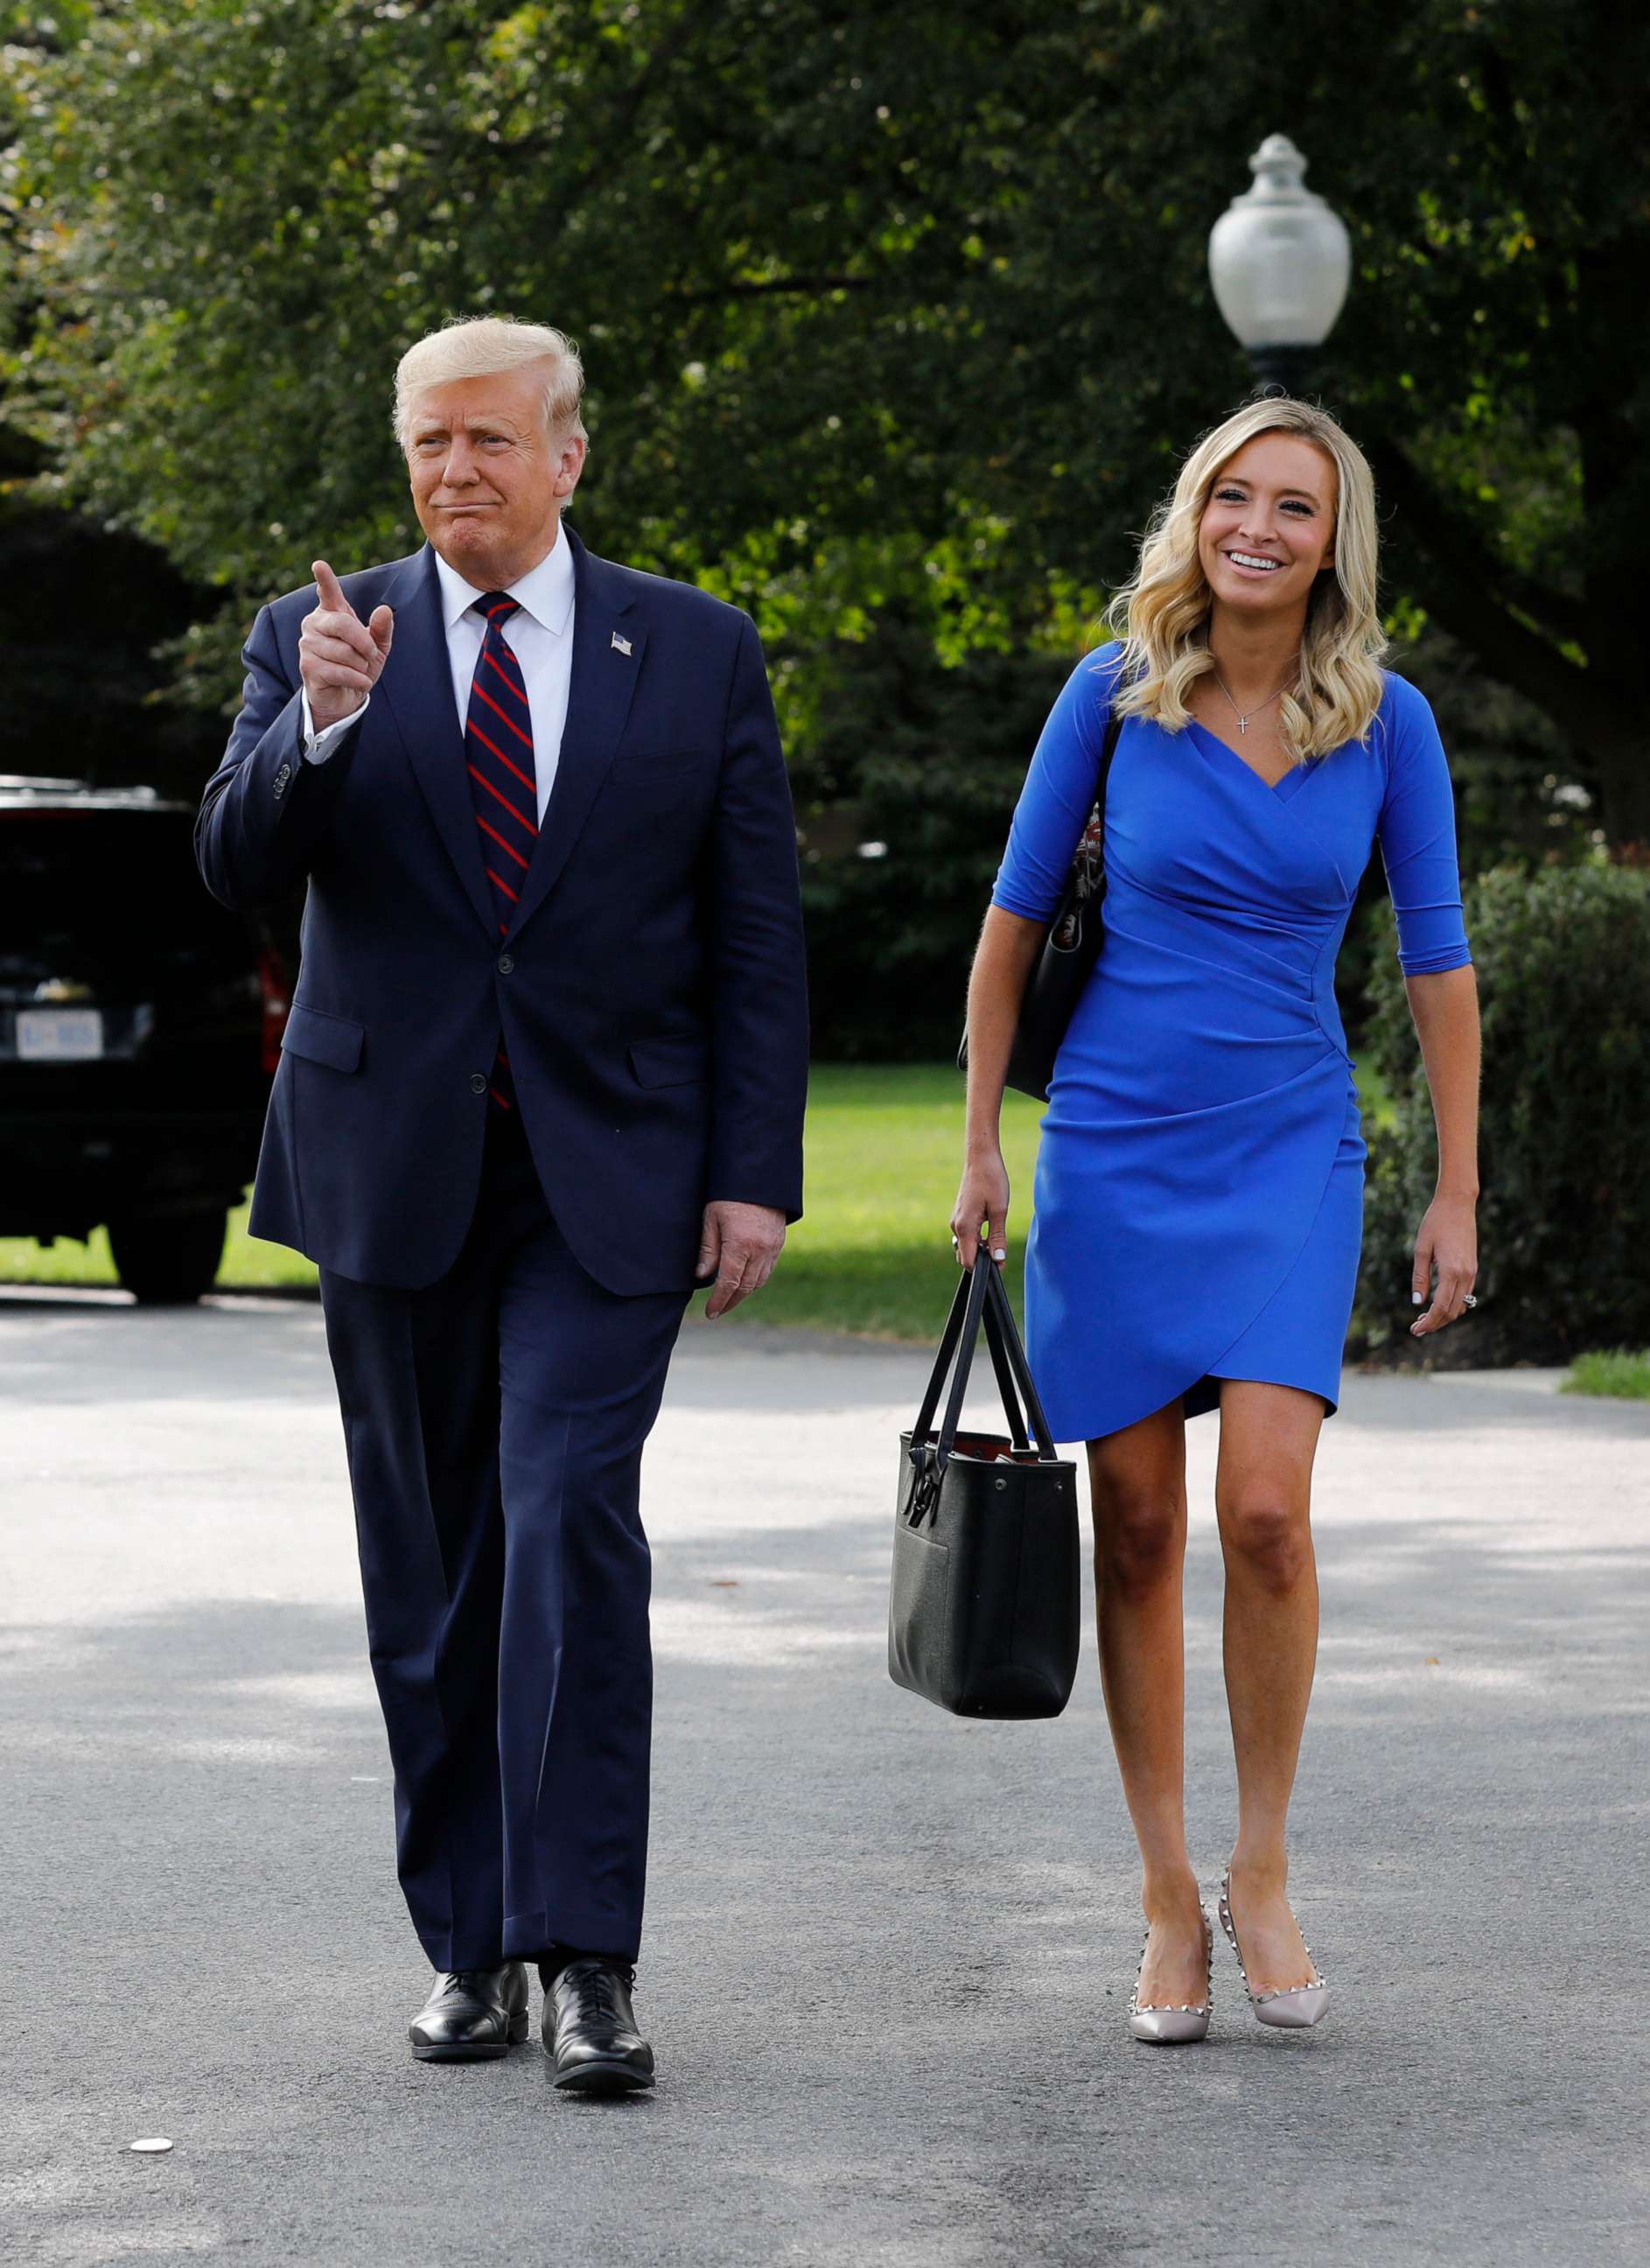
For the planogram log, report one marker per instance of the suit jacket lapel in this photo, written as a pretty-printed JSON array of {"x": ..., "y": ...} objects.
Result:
[
  {"x": 417, "y": 684},
  {"x": 603, "y": 681}
]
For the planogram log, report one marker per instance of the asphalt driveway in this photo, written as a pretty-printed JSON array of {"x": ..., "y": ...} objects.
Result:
[{"x": 887, "y": 1954}]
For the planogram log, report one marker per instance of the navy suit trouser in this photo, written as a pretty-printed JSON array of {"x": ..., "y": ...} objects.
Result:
[{"x": 494, "y": 1423}]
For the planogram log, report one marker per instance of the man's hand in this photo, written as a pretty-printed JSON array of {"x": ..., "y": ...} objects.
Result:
[
  {"x": 739, "y": 1247},
  {"x": 340, "y": 658}
]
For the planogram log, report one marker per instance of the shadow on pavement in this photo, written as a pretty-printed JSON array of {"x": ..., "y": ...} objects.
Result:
[{"x": 888, "y": 1954}]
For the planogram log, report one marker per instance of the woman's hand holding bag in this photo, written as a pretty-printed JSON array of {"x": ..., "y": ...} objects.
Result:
[
  {"x": 981, "y": 1202},
  {"x": 984, "y": 1608}
]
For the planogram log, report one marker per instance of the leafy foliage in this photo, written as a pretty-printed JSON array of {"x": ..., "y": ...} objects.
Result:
[
  {"x": 1563, "y": 957},
  {"x": 91, "y": 705},
  {"x": 903, "y": 798},
  {"x": 883, "y": 308},
  {"x": 1621, "y": 1373}
]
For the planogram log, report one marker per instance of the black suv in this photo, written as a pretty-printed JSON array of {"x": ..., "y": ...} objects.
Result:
[{"x": 140, "y": 1025}]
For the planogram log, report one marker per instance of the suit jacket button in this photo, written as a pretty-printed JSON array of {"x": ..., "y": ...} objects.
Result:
[
  {"x": 478, "y": 1082},
  {"x": 505, "y": 964}
]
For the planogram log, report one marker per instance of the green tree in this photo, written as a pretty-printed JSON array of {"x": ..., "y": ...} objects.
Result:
[
  {"x": 92, "y": 702},
  {"x": 883, "y": 308}
]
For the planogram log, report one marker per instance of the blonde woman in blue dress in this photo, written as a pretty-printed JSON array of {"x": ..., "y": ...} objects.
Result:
[{"x": 1198, "y": 1199}]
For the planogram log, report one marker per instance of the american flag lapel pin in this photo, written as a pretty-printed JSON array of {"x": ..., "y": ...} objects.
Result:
[{"x": 619, "y": 644}]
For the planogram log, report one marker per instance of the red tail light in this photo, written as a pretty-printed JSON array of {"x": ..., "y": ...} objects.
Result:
[{"x": 272, "y": 985}]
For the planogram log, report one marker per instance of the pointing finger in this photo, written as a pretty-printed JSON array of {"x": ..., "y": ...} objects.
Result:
[{"x": 328, "y": 589}]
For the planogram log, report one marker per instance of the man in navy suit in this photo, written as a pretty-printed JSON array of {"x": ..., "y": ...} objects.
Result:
[{"x": 544, "y": 1069}]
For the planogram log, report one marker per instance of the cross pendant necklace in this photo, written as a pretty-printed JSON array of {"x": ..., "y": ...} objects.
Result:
[{"x": 1243, "y": 721}]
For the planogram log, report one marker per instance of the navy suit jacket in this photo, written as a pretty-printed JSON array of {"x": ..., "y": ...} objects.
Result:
[{"x": 649, "y": 990}]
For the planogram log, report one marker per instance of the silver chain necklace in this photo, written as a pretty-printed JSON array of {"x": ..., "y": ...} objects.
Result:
[{"x": 1243, "y": 721}]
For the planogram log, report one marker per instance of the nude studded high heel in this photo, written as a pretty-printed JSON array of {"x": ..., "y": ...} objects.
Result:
[
  {"x": 1169, "y": 2026},
  {"x": 1291, "y": 2009}
]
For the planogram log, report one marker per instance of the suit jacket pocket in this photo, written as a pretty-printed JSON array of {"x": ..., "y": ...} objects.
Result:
[
  {"x": 323, "y": 1039},
  {"x": 680, "y": 1062}
]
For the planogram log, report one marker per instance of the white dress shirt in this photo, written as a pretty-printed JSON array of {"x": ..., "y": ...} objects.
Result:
[{"x": 540, "y": 635}]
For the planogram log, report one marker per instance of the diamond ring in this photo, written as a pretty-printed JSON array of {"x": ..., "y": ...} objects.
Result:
[{"x": 1469, "y": 1301}]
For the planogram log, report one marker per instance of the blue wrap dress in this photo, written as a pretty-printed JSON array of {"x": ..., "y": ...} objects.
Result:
[{"x": 1198, "y": 1199}]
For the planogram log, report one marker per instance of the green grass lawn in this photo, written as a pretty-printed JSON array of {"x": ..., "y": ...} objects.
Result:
[
  {"x": 872, "y": 1253},
  {"x": 1623, "y": 1372},
  {"x": 249, "y": 1265}
]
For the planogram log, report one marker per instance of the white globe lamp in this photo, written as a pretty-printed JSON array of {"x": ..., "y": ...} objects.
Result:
[{"x": 1279, "y": 260}]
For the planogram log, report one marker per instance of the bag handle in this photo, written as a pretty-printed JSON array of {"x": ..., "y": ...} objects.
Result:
[
  {"x": 948, "y": 1339},
  {"x": 962, "y": 1328},
  {"x": 999, "y": 1320},
  {"x": 1006, "y": 1382},
  {"x": 980, "y": 1298},
  {"x": 979, "y": 1290}
]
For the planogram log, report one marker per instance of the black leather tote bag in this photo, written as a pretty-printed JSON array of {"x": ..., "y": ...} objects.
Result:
[
  {"x": 1069, "y": 953},
  {"x": 983, "y": 1609}
]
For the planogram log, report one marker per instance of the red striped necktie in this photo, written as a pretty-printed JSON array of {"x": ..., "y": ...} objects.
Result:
[{"x": 504, "y": 784}]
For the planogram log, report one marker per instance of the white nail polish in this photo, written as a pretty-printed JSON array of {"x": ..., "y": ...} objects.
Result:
[
  {"x": 1415, "y": 1298},
  {"x": 999, "y": 1254}
]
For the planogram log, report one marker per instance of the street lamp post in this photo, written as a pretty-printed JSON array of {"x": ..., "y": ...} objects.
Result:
[{"x": 1278, "y": 260}]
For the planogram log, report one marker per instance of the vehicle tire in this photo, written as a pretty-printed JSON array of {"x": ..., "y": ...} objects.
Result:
[{"x": 169, "y": 1259}]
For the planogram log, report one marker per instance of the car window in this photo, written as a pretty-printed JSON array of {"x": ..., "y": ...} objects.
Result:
[{"x": 109, "y": 894}]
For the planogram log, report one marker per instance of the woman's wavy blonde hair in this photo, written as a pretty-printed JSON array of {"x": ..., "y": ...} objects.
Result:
[{"x": 1163, "y": 615}]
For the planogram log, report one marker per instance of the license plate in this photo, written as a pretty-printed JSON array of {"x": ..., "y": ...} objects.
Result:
[{"x": 59, "y": 1034}]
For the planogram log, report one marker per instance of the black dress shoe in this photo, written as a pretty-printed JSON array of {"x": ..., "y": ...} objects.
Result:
[
  {"x": 590, "y": 2033},
  {"x": 472, "y": 2015}
]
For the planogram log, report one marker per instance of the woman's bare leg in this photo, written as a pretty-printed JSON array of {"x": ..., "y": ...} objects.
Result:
[
  {"x": 1269, "y": 1437},
  {"x": 1137, "y": 1485}
]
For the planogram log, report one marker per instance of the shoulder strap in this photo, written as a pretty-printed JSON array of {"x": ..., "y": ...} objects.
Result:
[{"x": 1108, "y": 746}]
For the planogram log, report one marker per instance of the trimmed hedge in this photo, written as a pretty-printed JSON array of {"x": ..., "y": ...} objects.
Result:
[{"x": 1563, "y": 958}]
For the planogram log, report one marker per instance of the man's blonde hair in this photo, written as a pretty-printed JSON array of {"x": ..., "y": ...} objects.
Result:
[{"x": 477, "y": 346}]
